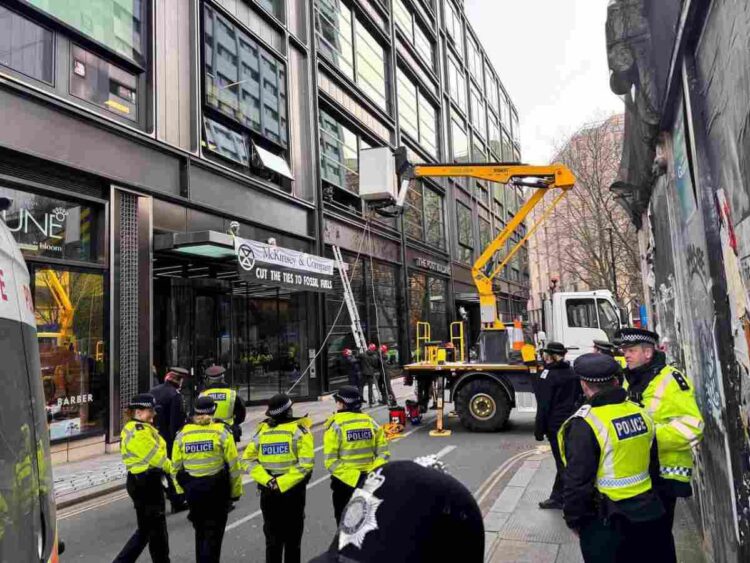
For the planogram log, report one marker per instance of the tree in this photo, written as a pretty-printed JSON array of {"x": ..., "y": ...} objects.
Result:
[{"x": 589, "y": 223}]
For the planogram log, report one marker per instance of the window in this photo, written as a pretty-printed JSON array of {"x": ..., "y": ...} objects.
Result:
[
  {"x": 428, "y": 302},
  {"x": 275, "y": 7},
  {"x": 490, "y": 88},
  {"x": 478, "y": 152},
  {"x": 478, "y": 117},
  {"x": 460, "y": 142},
  {"x": 507, "y": 152},
  {"x": 474, "y": 59},
  {"x": 465, "y": 233},
  {"x": 348, "y": 46},
  {"x": 414, "y": 212},
  {"x": 371, "y": 66},
  {"x": 609, "y": 320},
  {"x": 495, "y": 136},
  {"x": 454, "y": 26},
  {"x": 417, "y": 116},
  {"x": 118, "y": 25},
  {"x": 581, "y": 313},
  {"x": 485, "y": 234},
  {"x": 25, "y": 46},
  {"x": 504, "y": 110},
  {"x": 434, "y": 219},
  {"x": 407, "y": 23},
  {"x": 456, "y": 84},
  {"x": 103, "y": 84},
  {"x": 515, "y": 126},
  {"x": 243, "y": 80},
  {"x": 225, "y": 142},
  {"x": 339, "y": 154}
]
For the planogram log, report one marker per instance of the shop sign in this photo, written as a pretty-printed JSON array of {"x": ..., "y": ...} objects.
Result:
[
  {"x": 268, "y": 264},
  {"x": 432, "y": 266}
]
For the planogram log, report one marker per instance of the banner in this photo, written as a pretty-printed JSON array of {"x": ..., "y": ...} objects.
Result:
[{"x": 266, "y": 264}]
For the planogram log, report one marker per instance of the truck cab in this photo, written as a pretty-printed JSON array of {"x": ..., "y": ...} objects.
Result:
[{"x": 578, "y": 318}]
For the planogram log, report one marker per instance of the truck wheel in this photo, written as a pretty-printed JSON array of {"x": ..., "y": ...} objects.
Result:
[{"x": 483, "y": 406}]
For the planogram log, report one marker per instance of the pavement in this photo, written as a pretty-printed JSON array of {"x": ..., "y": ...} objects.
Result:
[
  {"x": 83, "y": 480},
  {"x": 516, "y": 530}
]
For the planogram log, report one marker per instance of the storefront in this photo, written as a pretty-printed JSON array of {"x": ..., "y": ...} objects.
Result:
[
  {"x": 62, "y": 239},
  {"x": 429, "y": 280}
]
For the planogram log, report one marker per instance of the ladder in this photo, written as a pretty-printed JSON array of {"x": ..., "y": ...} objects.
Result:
[{"x": 359, "y": 335}]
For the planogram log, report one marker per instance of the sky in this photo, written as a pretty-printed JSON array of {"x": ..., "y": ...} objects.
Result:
[{"x": 551, "y": 58}]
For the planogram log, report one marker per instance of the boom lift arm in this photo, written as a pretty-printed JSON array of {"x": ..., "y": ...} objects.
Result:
[{"x": 541, "y": 178}]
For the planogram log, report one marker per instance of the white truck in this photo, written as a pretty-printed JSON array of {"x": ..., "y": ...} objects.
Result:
[{"x": 578, "y": 318}]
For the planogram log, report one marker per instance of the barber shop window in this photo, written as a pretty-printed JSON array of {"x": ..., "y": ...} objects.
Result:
[
  {"x": 104, "y": 64},
  {"x": 581, "y": 313},
  {"x": 245, "y": 102}
]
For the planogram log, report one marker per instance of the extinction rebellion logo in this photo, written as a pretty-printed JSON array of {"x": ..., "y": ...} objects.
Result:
[{"x": 246, "y": 257}]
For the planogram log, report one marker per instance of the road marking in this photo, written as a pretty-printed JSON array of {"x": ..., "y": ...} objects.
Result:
[
  {"x": 445, "y": 451},
  {"x": 96, "y": 503},
  {"x": 489, "y": 484}
]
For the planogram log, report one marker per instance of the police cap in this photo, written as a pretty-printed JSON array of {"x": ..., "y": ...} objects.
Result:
[
  {"x": 142, "y": 401},
  {"x": 204, "y": 405},
  {"x": 596, "y": 368},
  {"x": 605, "y": 347},
  {"x": 215, "y": 372},
  {"x": 632, "y": 336},
  {"x": 278, "y": 405},
  {"x": 407, "y": 512}
]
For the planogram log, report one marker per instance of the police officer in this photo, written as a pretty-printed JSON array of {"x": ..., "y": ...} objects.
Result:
[
  {"x": 353, "y": 445},
  {"x": 230, "y": 409},
  {"x": 144, "y": 454},
  {"x": 280, "y": 459},
  {"x": 208, "y": 469},
  {"x": 609, "y": 450},
  {"x": 558, "y": 394},
  {"x": 668, "y": 397},
  {"x": 170, "y": 418}
]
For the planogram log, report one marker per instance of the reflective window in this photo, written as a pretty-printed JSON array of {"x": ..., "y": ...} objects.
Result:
[
  {"x": 424, "y": 45},
  {"x": 478, "y": 152},
  {"x": 335, "y": 31},
  {"x": 275, "y": 7},
  {"x": 456, "y": 84},
  {"x": 515, "y": 126},
  {"x": 423, "y": 218},
  {"x": 428, "y": 302},
  {"x": 346, "y": 44},
  {"x": 490, "y": 88},
  {"x": 103, "y": 84},
  {"x": 453, "y": 26},
  {"x": 460, "y": 142},
  {"x": 507, "y": 149},
  {"x": 608, "y": 319},
  {"x": 474, "y": 59},
  {"x": 414, "y": 33},
  {"x": 465, "y": 233},
  {"x": 478, "y": 114},
  {"x": 581, "y": 313},
  {"x": 244, "y": 81},
  {"x": 118, "y": 25},
  {"x": 225, "y": 142},
  {"x": 414, "y": 212},
  {"x": 339, "y": 154},
  {"x": 504, "y": 110},
  {"x": 403, "y": 18},
  {"x": 495, "y": 137},
  {"x": 371, "y": 66},
  {"x": 54, "y": 228},
  {"x": 417, "y": 116},
  {"x": 25, "y": 46},
  {"x": 69, "y": 309},
  {"x": 485, "y": 238}
]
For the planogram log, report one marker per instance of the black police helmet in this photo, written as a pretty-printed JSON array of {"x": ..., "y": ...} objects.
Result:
[
  {"x": 596, "y": 368},
  {"x": 405, "y": 512},
  {"x": 349, "y": 395},
  {"x": 204, "y": 405},
  {"x": 142, "y": 401},
  {"x": 279, "y": 405}
]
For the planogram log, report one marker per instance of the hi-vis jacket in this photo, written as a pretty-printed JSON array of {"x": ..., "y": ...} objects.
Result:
[
  {"x": 624, "y": 433},
  {"x": 204, "y": 450},
  {"x": 282, "y": 451},
  {"x": 670, "y": 400},
  {"x": 224, "y": 397},
  {"x": 142, "y": 448},
  {"x": 353, "y": 444}
]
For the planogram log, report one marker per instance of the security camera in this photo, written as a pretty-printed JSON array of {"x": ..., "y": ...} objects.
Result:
[{"x": 234, "y": 228}]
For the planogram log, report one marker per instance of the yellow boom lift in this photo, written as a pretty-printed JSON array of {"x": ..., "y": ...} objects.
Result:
[{"x": 483, "y": 391}]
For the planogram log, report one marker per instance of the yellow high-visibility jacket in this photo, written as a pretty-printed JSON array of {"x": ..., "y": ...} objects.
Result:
[{"x": 353, "y": 444}]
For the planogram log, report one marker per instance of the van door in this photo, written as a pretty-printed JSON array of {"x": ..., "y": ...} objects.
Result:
[{"x": 582, "y": 326}]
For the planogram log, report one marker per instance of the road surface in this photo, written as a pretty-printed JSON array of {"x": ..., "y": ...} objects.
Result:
[{"x": 95, "y": 531}]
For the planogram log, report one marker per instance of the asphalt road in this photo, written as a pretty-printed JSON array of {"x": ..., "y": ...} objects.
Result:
[{"x": 95, "y": 531}]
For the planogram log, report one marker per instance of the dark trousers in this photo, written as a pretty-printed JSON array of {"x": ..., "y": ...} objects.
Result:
[
  {"x": 557, "y": 487},
  {"x": 148, "y": 497},
  {"x": 384, "y": 386},
  {"x": 368, "y": 380},
  {"x": 424, "y": 391},
  {"x": 669, "y": 503},
  {"x": 619, "y": 540},
  {"x": 284, "y": 522},
  {"x": 341, "y": 493},
  {"x": 208, "y": 499}
]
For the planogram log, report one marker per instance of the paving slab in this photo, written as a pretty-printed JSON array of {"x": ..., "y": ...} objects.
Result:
[{"x": 508, "y": 551}]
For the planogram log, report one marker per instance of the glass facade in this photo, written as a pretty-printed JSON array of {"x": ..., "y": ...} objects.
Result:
[
  {"x": 465, "y": 231},
  {"x": 225, "y": 142},
  {"x": 339, "y": 154},
  {"x": 428, "y": 302},
  {"x": 417, "y": 116},
  {"x": 407, "y": 23},
  {"x": 116, "y": 24},
  {"x": 26, "y": 47},
  {"x": 424, "y": 219},
  {"x": 453, "y": 26},
  {"x": 456, "y": 83},
  {"x": 460, "y": 142},
  {"x": 347, "y": 45},
  {"x": 103, "y": 84},
  {"x": 478, "y": 116},
  {"x": 244, "y": 81}
]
